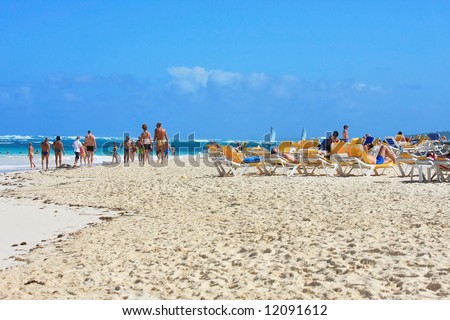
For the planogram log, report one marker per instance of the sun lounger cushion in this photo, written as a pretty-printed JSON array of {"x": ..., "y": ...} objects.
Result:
[{"x": 251, "y": 160}]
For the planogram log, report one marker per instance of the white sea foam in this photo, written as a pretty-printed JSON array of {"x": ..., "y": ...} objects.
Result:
[
  {"x": 15, "y": 137},
  {"x": 21, "y": 163}
]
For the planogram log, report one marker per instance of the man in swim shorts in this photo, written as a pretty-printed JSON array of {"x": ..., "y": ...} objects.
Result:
[
  {"x": 160, "y": 141},
  {"x": 59, "y": 150},
  {"x": 91, "y": 146},
  {"x": 383, "y": 153},
  {"x": 45, "y": 147}
]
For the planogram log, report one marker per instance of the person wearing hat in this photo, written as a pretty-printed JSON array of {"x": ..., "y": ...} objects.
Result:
[
  {"x": 91, "y": 146},
  {"x": 345, "y": 134}
]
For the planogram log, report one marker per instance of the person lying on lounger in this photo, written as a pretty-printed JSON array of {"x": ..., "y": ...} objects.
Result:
[
  {"x": 383, "y": 153},
  {"x": 432, "y": 156},
  {"x": 289, "y": 157}
]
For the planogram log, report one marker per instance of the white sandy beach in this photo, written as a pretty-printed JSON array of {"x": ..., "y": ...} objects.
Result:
[
  {"x": 184, "y": 233},
  {"x": 26, "y": 224}
]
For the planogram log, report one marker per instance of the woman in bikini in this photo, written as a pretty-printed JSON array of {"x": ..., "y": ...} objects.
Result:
[
  {"x": 147, "y": 142},
  {"x": 31, "y": 155}
]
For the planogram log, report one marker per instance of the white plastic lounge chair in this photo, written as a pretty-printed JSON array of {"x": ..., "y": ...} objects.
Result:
[{"x": 442, "y": 167}]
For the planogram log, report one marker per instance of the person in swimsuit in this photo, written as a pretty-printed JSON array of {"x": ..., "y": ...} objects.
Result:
[
  {"x": 126, "y": 150},
  {"x": 400, "y": 137},
  {"x": 133, "y": 150},
  {"x": 289, "y": 157},
  {"x": 114, "y": 156},
  {"x": 140, "y": 150},
  {"x": 59, "y": 150},
  {"x": 147, "y": 142},
  {"x": 326, "y": 143},
  {"x": 82, "y": 154},
  {"x": 383, "y": 153},
  {"x": 31, "y": 155},
  {"x": 166, "y": 150},
  {"x": 160, "y": 141},
  {"x": 345, "y": 136},
  {"x": 45, "y": 147},
  {"x": 91, "y": 146}
]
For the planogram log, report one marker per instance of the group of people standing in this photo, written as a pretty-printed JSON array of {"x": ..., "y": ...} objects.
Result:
[
  {"x": 84, "y": 151},
  {"x": 160, "y": 140},
  {"x": 144, "y": 146}
]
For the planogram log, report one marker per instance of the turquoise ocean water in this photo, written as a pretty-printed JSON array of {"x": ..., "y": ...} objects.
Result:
[{"x": 14, "y": 149}]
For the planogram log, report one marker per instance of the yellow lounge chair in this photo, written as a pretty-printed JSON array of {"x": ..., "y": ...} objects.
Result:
[
  {"x": 285, "y": 146},
  {"x": 357, "y": 151},
  {"x": 235, "y": 161},
  {"x": 312, "y": 160}
]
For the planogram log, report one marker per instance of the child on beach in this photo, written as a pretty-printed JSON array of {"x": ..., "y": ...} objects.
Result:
[
  {"x": 133, "y": 150},
  {"x": 140, "y": 150},
  {"x": 31, "y": 155},
  {"x": 114, "y": 156},
  {"x": 166, "y": 150},
  {"x": 77, "y": 146},
  {"x": 82, "y": 154}
]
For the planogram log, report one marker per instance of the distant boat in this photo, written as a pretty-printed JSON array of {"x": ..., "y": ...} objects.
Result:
[
  {"x": 270, "y": 138},
  {"x": 303, "y": 134},
  {"x": 272, "y": 135}
]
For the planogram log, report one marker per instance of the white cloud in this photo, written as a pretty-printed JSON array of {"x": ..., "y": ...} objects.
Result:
[
  {"x": 189, "y": 80},
  {"x": 286, "y": 86},
  {"x": 224, "y": 79},
  {"x": 361, "y": 86},
  {"x": 257, "y": 80}
]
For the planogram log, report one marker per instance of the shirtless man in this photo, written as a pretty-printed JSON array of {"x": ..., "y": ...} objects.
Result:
[
  {"x": 345, "y": 136},
  {"x": 31, "y": 155},
  {"x": 59, "y": 150},
  {"x": 45, "y": 147},
  {"x": 126, "y": 150},
  {"x": 160, "y": 141},
  {"x": 91, "y": 146},
  {"x": 147, "y": 143}
]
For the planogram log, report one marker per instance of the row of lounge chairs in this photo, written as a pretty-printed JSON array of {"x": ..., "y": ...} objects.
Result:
[{"x": 344, "y": 159}]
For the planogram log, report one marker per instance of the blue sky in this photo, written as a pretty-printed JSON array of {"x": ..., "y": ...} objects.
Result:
[{"x": 224, "y": 69}]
